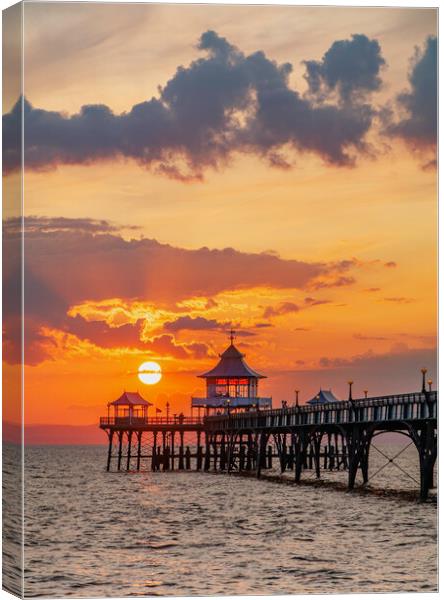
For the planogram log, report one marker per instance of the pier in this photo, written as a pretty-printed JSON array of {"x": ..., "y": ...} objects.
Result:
[{"x": 239, "y": 432}]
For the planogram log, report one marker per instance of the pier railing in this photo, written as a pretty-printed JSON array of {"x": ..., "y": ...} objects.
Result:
[
  {"x": 141, "y": 421},
  {"x": 418, "y": 405}
]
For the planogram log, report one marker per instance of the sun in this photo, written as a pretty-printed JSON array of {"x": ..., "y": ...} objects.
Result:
[{"x": 150, "y": 373}]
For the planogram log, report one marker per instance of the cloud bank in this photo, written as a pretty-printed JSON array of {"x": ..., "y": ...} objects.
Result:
[
  {"x": 222, "y": 103},
  {"x": 71, "y": 261},
  {"x": 350, "y": 67},
  {"x": 419, "y": 103}
]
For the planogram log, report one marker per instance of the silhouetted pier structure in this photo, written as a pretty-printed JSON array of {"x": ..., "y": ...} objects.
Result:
[{"x": 242, "y": 437}]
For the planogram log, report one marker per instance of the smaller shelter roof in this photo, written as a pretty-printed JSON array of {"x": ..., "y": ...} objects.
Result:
[
  {"x": 324, "y": 397},
  {"x": 130, "y": 399}
]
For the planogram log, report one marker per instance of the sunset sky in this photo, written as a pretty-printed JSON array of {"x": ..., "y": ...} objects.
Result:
[{"x": 267, "y": 168}]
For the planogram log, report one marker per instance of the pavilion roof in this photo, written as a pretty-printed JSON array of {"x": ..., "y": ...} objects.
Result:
[
  {"x": 324, "y": 397},
  {"x": 130, "y": 399},
  {"x": 232, "y": 364}
]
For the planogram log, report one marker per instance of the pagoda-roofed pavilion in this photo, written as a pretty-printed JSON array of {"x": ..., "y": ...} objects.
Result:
[
  {"x": 130, "y": 407},
  {"x": 231, "y": 385}
]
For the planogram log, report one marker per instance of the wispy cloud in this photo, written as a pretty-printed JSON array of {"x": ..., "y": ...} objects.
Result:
[{"x": 399, "y": 299}]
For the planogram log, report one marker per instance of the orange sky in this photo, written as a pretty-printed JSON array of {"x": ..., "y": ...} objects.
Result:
[{"x": 332, "y": 274}]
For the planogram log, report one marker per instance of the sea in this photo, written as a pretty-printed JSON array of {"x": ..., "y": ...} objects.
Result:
[{"x": 89, "y": 533}]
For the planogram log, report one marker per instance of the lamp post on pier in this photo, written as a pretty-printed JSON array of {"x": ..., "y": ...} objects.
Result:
[
  {"x": 423, "y": 371},
  {"x": 168, "y": 411},
  {"x": 365, "y": 393},
  {"x": 350, "y": 396},
  {"x": 296, "y": 392},
  {"x": 427, "y": 392},
  {"x": 350, "y": 399}
]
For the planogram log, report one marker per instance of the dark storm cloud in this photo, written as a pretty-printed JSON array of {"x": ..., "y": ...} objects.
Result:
[
  {"x": 418, "y": 126},
  {"x": 349, "y": 67},
  {"x": 223, "y": 103}
]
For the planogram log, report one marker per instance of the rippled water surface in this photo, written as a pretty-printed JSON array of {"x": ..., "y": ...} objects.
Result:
[{"x": 92, "y": 533}]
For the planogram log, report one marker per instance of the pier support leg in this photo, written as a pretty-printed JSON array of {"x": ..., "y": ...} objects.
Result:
[
  {"x": 222, "y": 457},
  {"x": 364, "y": 463},
  {"x": 154, "y": 458},
  {"x": 249, "y": 452},
  {"x": 344, "y": 453},
  {"x": 139, "y": 448},
  {"x": 119, "y": 457},
  {"x": 352, "y": 470},
  {"x": 110, "y": 449},
  {"x": 284, "y": 456},
  {"x": 199, "y": 458},
  {"x": 215, "y": 452},
  {"x": 301, "y": 443},
  {"x": 426, "y": 442},
  {"x": 181, "y": 452},
  {"x": 358, "y": 446},
  {"x": 241, "y": 457},
  {"x": 290, "y": 458},
  {"x": 207, "y": 452},
  {"x": 128, "y": 456},
  {"x": 261, "y": 448},
  {"x": 337, "y": 451},
  {"x": 317, "y": 455},
  {"x": 198, "y": 452},
  {"x": 166, "y": 459}
]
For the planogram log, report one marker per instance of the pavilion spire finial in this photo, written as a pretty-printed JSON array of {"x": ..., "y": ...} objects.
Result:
[{"x": 232, "y": 335}]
